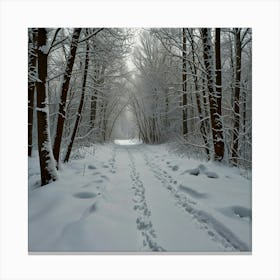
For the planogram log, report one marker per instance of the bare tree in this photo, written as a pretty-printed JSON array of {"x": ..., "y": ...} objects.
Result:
[
  {"x": 216, "y": 124},
  {"x": 184, "y": 81},
  {"x": 63, "y": 94},
  {"x": 219, "y": 140},
  {"x": 238, "y": 52},
  {"x": 47, "y": 163},
  {"x": 69, "y": 148},
  {"x": 31, "y": 84}
]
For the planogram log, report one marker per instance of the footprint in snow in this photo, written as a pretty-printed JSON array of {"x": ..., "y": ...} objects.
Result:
[
  {"x": 84, "y": 195},
  {"x": 194, "y": 172},
  {"x": 87, "y": 185},
  {"x": 192, "y": 192},
  {"x": 175, "y": 167},
  {"x": 97, "y": 181},
  {"x": 211, "y": 174},
  {"x": 104, "y": 177},
  {"x": 92, "y": 208},
  {"x": 91, "y": 166}
]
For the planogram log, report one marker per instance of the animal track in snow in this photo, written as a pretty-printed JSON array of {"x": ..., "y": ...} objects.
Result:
[
  {"x": 143, "y": 222},
  {"x": 112, "y": 160},
  {"x": 97, "y": 181},
  {"x": 84, "y": 195},
  {"x": 192, "y": 192},
  {"x": 90, "y": 166},
  {"x": 215, "y": 230}
]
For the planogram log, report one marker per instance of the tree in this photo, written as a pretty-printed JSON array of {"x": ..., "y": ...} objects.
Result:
[
  {"x": 238, "y": 52},
  {"x": 63, "y": 94},
  {"x": 69, "y": 148},
  {"x": 31, "y": 84},
  {"x": 184, "y": 81},
  {"x": 194, "y": 72},
  {"x": 47, "y": 163},
  {"x": 216, "y": 124},
  {"x": 219, "y": 140}
]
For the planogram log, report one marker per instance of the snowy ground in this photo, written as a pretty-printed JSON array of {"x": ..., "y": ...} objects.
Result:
[{"x": 125, "y": 197}]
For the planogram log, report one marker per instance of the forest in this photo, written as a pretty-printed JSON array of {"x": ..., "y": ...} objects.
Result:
[
  {"x": 134, "y": 99},
  {"x": 190, "y": 84}
]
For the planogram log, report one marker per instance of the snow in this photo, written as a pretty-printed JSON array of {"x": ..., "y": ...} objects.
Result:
[
  {"x": 128, "y": 197},
  {"x": 128, "y": 142}
]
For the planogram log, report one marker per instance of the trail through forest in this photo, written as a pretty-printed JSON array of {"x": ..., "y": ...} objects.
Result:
[{"x": 138, "y": 197}]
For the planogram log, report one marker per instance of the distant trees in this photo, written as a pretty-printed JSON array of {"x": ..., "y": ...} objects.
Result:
[
  {"x": 202, "y": 77},
  {"x": 152, "y": 100}
]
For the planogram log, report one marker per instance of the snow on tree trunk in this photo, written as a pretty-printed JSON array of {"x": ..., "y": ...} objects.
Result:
[
  {"x": 63, "y": 94},
  {"x": 220, "y": 138},
  {"x": 216, "y": 124},
  {"x": 31, "y": 86},
  {"x": 47, "y": 163},
  {"x": 69, "y": 149},
  {"x": 238, "y": 51},
  {"x": 184, "y": 80},
  {"x": 202, "y": 125}
]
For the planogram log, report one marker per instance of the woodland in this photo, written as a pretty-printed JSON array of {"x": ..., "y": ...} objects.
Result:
[{"x": 88, "y": 86}]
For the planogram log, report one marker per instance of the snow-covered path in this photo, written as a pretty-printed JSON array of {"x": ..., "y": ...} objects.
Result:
[{"x": 133, "y": 198}]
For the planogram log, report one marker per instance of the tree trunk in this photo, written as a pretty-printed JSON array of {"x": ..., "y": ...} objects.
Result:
[
  {"x": 216, "y": 127},
  {"x": 202, "y": 125},
  {"x": 31, "y": 87},
  {"x": 47, "y": 163},
  {"x": 184, "y": 81},
  {"x": 69, "y": 149},
  {"x": 244, "y": 125},
  {"x": 63, "y": 94},
  {"x": 93, "y": 109},
  {"x": 219, "y": 127},
  {"x": 236, "y": 96}
]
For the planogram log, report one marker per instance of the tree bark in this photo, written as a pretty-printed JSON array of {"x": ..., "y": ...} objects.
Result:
[
  {"x": 202, "y": 124},
  {"x": 216, "y": 127},
  {"x": 219, "y": 127},
  {"x": 47, "y": 163},
  {"x": 236, "y": 127},
  {"x": 63, "y": 95},
  {"x": 31, "y": 87},
  {"x": 93, "y": 102},
  {"x": 69, "y": 149},
  {"x": 93, "y": 109},
  {"x": 184, "y": 81}
]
